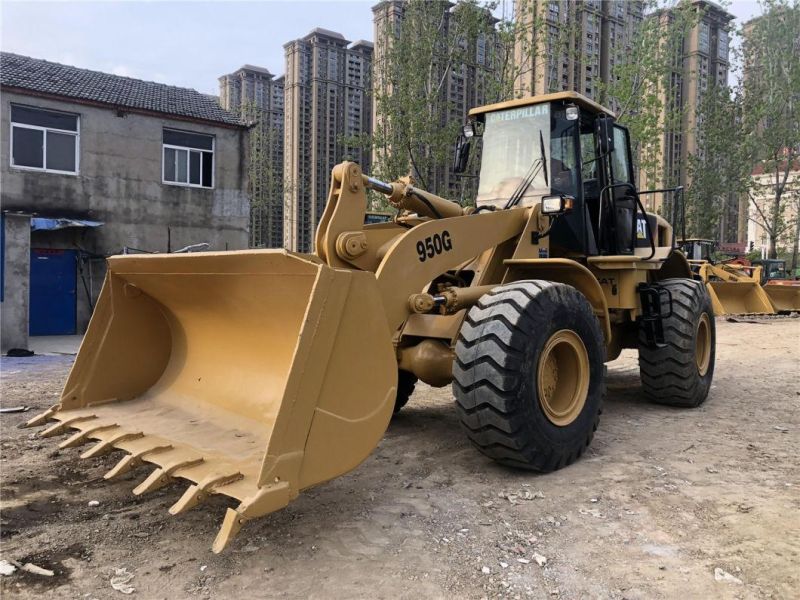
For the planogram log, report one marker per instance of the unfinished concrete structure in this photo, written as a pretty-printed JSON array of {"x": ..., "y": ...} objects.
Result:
[{"x": 92, "y": 164}]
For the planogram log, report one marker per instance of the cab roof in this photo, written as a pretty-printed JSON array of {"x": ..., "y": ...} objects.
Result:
[{"x": 575, "y": 97}]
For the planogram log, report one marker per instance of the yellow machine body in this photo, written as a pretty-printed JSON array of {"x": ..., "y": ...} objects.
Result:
[
  {"x": 256, "y": 374},
  {"x": 784, "y": 295},
  {"x": 734, "y": 289}
]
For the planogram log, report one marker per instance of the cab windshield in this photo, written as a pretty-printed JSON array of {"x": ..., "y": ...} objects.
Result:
[
  {"x": 512, "y": 151},
  {"x": 777, "y": 271}
]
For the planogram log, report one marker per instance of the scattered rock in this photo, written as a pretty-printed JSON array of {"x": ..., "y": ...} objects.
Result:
[
  {"x": 36, "y": 570},
  {"x": 526, "y": 495},
  {"x": 722, "y": 575},
  {"x": 6, "y": 568},
  {"x": 711, "y": 470},
  {"x": 504, "y": 565},
  {"x": 524, "y": 561},
  {"x": 781, "y": 428},
  {"x": 485, "y": 570},
  {"x": 121, "y": 581},
  {"x": 203, "y": 567},
  {"x": 540, "y": 560},
  {"x": 94, "y": 503}
]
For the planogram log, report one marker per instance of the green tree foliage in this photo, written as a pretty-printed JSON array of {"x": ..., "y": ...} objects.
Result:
[
  {"x": 720, "y": 169},
  {"x": 264, "y": 177},
  {"x": 642, "y": 89},
  {"x": 432, "y": 49},
  {"x": 771, "y": 107}
]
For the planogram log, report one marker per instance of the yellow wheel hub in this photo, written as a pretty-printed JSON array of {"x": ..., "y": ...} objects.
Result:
[
  {"x": 562, "y": 377},
  {"x": 702, "y": 348}
]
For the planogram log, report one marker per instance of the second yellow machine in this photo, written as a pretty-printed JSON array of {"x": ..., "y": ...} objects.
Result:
[{"x": 257, "y": 374}]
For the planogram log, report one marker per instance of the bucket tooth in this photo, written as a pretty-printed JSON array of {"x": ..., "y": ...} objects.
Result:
[
  {"x": 82, "y": 437},
  {"x": 268, "y": 499},
  {"x": 43, "y": 418},
  {"x": 231, "y": 525},
  {"x": 195, "y": 494},
  {"x": 106, "y": 446},
  {"x": 131, "y": 461},
  {"x": 62, "y": 426},
  {"x": 162, "y": 476}
]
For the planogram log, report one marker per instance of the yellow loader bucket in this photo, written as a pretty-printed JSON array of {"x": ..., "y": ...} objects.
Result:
[
  {"x": 784, "y": 298},
  {"x": 252, "y": 374},
  {"x": 738, "y": 297}
]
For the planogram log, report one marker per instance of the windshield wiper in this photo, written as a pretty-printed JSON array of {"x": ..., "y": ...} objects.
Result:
[
  {"x": 537, "y": 164},
  {"x": 544, "y": 158}
]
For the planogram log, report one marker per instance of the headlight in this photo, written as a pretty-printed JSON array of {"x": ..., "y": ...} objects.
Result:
[
  {"x": 555, "y": 205},
  {"x": 572, "y": 113}
]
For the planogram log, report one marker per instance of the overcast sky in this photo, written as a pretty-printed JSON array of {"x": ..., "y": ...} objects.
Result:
[{"x": 187, "y": 44}]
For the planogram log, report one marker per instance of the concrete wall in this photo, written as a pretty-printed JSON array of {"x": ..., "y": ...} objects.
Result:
[
  {"x": 16, "y": 281},
  {"x": 119, "y": 183}
]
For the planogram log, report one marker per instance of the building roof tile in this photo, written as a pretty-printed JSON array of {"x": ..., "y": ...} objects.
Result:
[{"x": 49, "y": 78}]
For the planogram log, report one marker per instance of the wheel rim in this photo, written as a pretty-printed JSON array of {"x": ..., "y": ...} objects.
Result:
[
  {"x": 562, "y": 377},
  {"x": 702, "y": 348}
]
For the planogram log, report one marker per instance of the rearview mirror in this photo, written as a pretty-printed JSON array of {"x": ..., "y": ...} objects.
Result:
[
  {"x": 461, "y": 155},
  {"x": 605, "y": 134}
]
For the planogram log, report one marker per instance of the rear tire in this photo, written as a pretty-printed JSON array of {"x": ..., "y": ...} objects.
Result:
[
  {"x": 680, "y": 373},
  {"x": 529, "y": 374},
  {"x": 405, "y": 387}
]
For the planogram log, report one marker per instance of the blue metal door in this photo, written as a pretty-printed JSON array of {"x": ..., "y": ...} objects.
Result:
[{"x": 53, "y": 291}]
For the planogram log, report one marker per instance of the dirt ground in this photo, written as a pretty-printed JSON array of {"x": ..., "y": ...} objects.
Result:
[{"x": 662, "y": 498}]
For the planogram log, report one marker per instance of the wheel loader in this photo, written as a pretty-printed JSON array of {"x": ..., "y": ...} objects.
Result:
[
  {"x": 257, "y": 374},
  {"x": 735, "y": 288},
  {"x": 782, "y": 289}
]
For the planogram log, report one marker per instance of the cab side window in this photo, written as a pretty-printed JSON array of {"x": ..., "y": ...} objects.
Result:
[
  {"x": 620, "y": 168},
  {"x": 588, "y": 155}
]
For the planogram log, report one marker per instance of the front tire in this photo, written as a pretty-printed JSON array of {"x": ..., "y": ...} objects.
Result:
[
  {"x": 529, "y": 374},
  {"x": 680, "y": 373}
]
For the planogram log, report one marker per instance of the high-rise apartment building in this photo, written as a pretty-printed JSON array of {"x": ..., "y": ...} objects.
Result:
[
  {"x": 257, "y": 97},
  {"x": 327, "y": 116},
  {"x": 701, "y": 60},
  {"x": 465, "y": 84},
  {"x": 572, "y": 45}
]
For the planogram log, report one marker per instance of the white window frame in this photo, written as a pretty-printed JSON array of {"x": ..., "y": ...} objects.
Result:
[
  {"x": 188, "y": 151},
  {"x": 43, "y": 169}
]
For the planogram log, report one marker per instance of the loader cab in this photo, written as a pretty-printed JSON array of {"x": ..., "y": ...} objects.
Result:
[
  {"x": 561, "y": 145},
  {"x": 698, "y": 250},
  {"x": 773, "y": 270}
]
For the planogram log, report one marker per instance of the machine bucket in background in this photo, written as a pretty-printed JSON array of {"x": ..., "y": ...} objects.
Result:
[
  {"x": 738, "y": 297},
  {"x": 785, "y": 297},
  {"x": 252, "y": 374}
]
